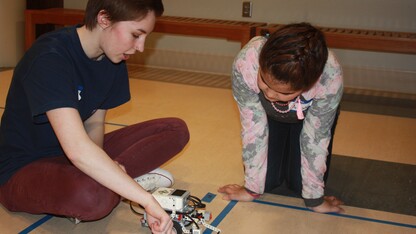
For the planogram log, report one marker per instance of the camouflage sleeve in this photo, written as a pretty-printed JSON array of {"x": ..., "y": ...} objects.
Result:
[
  {"x": 316, "y": 131},
  {"x": 254, "y": 129}
]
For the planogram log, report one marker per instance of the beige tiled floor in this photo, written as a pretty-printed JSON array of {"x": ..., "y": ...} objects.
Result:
[
  {"x": 378, "y": 137},
  {"x": 212, "y": 158}
]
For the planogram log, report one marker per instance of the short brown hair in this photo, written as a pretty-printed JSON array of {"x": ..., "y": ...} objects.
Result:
[
  {"x": 295, "y": 54},
  {"x": 121, "y": 10}
]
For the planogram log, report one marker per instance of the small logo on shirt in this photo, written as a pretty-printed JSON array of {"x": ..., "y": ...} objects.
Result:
[{"x": 80, "y": 88}]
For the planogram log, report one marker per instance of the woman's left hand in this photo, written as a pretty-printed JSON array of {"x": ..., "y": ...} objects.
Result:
[
  {"x": 331, "y": 204},
  {"x": 159, "y": 221}
]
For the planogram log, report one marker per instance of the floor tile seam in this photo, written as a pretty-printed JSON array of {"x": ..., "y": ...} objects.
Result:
[
  {"x": 404, "y": 114},
  {"x": 187, "y": 84},
  {"x": 227, "y": 209},
  {"x": 375, "y": 160},
  {"x": 348, "y": 90},
  {"x": 387, "y": 222},
  {"x": 402, "y": 111}
]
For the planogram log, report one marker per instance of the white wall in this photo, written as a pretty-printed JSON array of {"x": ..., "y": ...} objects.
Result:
[
  {"x": 398, "y": 71},
  {"x": 372, "y": 70},
  {"x": 12, "y": 31},
  {"x": 393, "y": 15}
]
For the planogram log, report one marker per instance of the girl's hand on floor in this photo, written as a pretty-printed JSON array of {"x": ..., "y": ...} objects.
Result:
[
  {"x": 331, "y": 204},
  {"x": 235, "y": 192}
]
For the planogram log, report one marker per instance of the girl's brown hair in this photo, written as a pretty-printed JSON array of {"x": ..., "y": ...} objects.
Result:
[
  {"x": 121, "y": 10},
  {"x": 295, "y": 54}
]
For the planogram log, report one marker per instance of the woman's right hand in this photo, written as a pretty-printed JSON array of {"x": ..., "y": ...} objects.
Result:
[
  {"x": 157, "y": 218},
  {"x": 235, "y": 192}
]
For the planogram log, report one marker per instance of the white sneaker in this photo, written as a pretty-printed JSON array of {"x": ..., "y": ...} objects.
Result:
[
  {"x": 155, "y": 179},
  {"x": 74, "y": 220}
]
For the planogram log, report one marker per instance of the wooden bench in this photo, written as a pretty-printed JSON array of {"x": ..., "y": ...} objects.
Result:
[
  {"x": 358, "y": 39},
  {"x": 228, "y": 29},
  {"x": 241, "y": 31},
  {"x": 231, "y": 30},
  {"x": 56, "y": 16}
]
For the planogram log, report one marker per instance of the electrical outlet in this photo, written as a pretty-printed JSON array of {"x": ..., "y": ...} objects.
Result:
[{"x": 247, "y": 9}]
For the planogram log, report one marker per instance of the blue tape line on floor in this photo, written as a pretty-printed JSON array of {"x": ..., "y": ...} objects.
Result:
[
  {"x": 221, "y": 216},
  {"x": 36, "y": 224},
  {"x": 339, "y": 215},
  {"x": 208, "y": 197}
]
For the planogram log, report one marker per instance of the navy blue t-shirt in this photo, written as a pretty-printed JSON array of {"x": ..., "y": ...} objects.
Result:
[{"x": 55, "y": 72}]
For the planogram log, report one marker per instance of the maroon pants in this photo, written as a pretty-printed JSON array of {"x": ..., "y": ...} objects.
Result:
[{"x": 55, "y": 186}]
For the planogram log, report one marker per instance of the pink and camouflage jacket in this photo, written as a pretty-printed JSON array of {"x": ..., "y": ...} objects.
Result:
[{"x": 320, "y": 104}]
